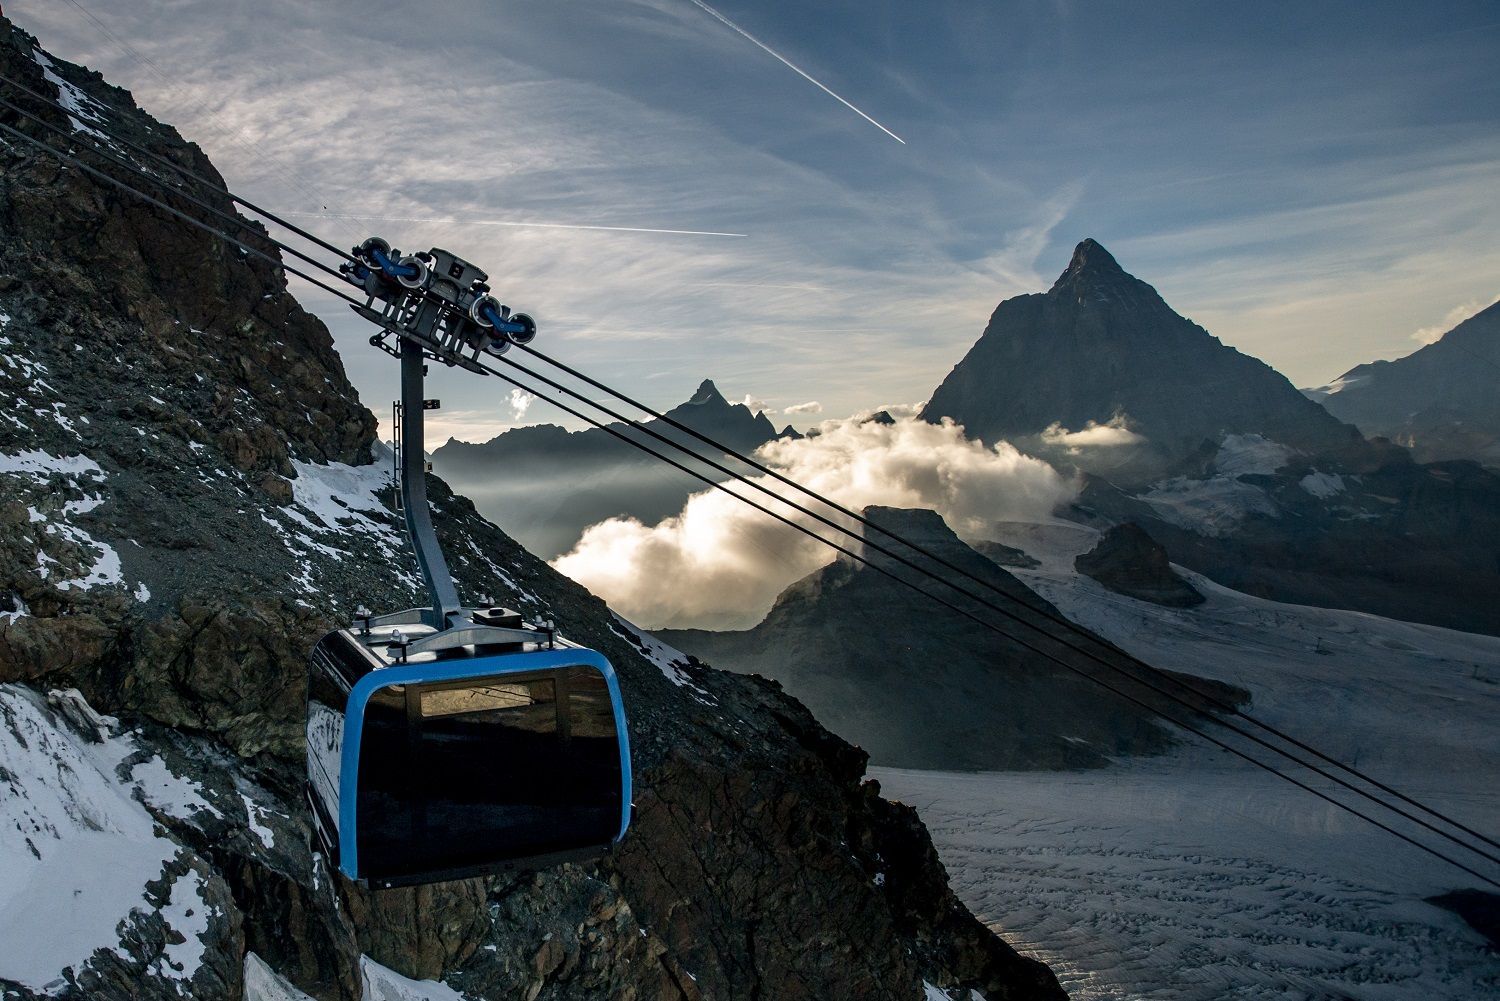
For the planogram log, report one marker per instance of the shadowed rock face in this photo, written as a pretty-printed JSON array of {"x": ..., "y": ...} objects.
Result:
[
  {"x": 1397, "y": 539},
  {"x": 1005, "y": 556},
  {"x": 188, "y": 502},
  {"x": 1440, "y": 401},
  {"x": 920, "y": 686},
  {"x": 1130, "y": 562},
  {"x": 1102, "y": 344}
]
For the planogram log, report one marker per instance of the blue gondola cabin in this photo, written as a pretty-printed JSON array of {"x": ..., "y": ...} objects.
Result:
[{"x": 474, "y": 760}]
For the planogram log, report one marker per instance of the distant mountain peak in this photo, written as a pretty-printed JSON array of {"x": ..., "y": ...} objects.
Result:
[
  {"x": 1091, "y": 265},
  {"x": 1102, "y": 342},
  {"x": 707, "y": 393}
]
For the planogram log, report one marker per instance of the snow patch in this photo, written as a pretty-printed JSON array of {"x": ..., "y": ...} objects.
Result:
[
  {"x": 78, "y": 472},
  {"x": 18, "y": 611},
  {"x": 1247, "y": 454},
  {"x": 106, "y": 570},
  {"x": 382, "y": 984},
  {"x": 1322, "y": 485},
  {"x": 255, "y": 814},
  {"x": 669, "y": 660},
  {"x": 336, "y": 510},
  {"x": 36, "y": 463},
  {"x": 83, "y": 111},
  {"x": 264, "y": 984},
  {"x": 78, "y": 848},
  {"x": 187, "y": 913},
  {"x": 1210, "y": 507},
  {"x": 170, "y": 794},
  {"x": 1335, "y": 387},
  {"x": 1216, "y": 504}
]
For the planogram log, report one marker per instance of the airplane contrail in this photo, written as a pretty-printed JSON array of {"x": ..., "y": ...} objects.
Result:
[
  {"x": 794, "y": 67},
  {"x": 504, "y": 222}
]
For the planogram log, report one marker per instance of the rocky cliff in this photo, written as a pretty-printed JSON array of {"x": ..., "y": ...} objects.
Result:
[
  {"x": 1439, "y": 401},
  {"x": 1129, "y": 562},
  {"x": 591, "y": 475},
  {"x": 921, "y": 686},
  {"x": 189, "y": 499}
]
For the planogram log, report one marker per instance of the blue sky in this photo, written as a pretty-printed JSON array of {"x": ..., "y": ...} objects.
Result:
[{"x": 1314, "y": 183}]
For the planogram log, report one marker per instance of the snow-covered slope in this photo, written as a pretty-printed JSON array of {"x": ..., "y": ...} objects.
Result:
[
  {"x": 85, "y": 868},
  {"x": 1196, "y": 876}
]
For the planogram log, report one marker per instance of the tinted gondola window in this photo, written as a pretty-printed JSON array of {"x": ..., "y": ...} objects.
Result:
[{"x": 454, "y": 776}]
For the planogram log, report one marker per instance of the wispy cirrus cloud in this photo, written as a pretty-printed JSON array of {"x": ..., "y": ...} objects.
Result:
[{"x": 1314, "y": 216}]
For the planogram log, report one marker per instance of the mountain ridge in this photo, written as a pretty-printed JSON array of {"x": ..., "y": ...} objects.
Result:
[
  {"x": 591, "y": 475},
  {"x": 1439, "y": 401}
]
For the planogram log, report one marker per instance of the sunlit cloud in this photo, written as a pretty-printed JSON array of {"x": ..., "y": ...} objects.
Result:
[
  {"x": 1113, "y": 433},
  {"x": 1451, "y": 319},
  {"x": 520, "y": 402},
  {"x": 719, "y": 563},
  {"x": 754, "y": 403},
  {"x": 810, "y": 407}
]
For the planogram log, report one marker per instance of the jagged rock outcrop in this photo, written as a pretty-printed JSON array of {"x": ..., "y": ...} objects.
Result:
[
  {"x": 920, "y": 686},
  {"x": 1102, "y": 350},
  {"x": 1005, "y": 556},
  {"x": 1439, "y": 401},
  {"x": 592, "y": 475},
  {"x": 1129, "y": 562},
  {"x": 188, "y": 501}
]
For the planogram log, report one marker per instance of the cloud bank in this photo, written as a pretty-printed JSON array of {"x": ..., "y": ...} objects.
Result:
[
  {"x": 1113, "y": 433},
  {"x": 719, "y": 564}
]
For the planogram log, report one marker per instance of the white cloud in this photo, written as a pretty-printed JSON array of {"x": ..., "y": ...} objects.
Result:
[
  {"x": 1451, "y": 319},
  {"x": 720, "y": 564},
  {"x": 810, "y": 407},
  {"x": 1113, "y": 433},
  {"x": 755, "y": 403},
  {"x": 520, "y": 402}
]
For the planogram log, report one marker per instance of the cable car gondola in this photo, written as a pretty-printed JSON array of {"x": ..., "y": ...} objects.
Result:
[{"x": 451, "y": 741}]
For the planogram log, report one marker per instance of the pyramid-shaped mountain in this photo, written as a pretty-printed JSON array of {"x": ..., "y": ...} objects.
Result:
[
  {"x": 1440, "y": 401},
  {"x": 1102, "y": 345}
]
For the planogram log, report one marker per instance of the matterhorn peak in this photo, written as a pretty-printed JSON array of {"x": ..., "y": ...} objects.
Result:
[{"x": 1091, "y": 265}]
